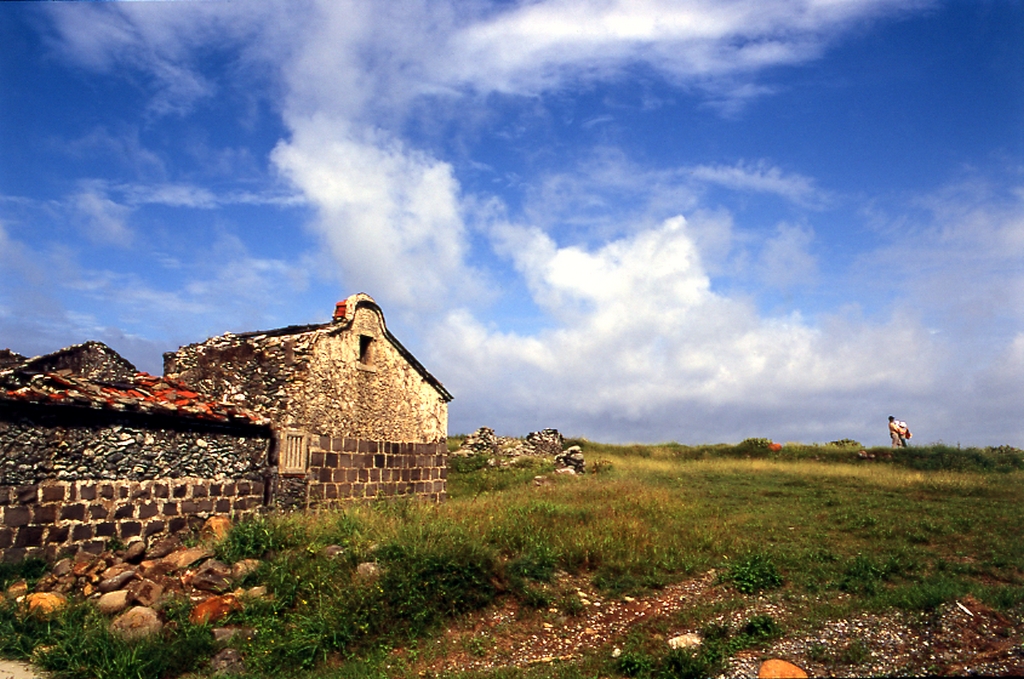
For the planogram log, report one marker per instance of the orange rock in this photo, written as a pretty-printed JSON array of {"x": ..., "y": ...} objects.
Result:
[
  {"x": 45, "y": 603},
  {"x": 217, "y": 527},
  {"x": 214, "y": 608},
  {"x": 780, "y": 669}
]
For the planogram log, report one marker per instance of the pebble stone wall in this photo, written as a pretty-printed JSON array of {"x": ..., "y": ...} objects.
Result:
[{"x": 71, "y": 481}]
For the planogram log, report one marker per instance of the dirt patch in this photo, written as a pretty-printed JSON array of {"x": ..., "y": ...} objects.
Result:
[{"x": 958, "y": 639}]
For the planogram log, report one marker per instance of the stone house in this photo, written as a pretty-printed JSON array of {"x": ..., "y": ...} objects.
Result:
[
  {"x": 299, "y": 417},
  {"x": 92, "y": 450},
  {"x": 355, "y": 415}
]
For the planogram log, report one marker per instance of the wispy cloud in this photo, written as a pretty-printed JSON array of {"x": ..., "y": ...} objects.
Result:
[
  {"x": 104, "y": 220},
  {"x": 761, "y": 177}
]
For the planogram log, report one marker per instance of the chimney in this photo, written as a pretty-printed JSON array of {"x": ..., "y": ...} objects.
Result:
[{"x": 339, "y": 311}]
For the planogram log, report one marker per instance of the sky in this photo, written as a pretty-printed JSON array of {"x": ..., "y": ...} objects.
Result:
[{"x": 631, "y": 220}]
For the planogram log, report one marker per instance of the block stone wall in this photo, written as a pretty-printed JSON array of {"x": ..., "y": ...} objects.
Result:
[
  {"x": 56, "y": 518},
  {"x": 343, "y": 470}
]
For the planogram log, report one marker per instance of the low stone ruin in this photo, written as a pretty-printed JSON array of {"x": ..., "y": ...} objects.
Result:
[
  {"x": 503, "y": 451},
  {"x": 572, "y": 458}
]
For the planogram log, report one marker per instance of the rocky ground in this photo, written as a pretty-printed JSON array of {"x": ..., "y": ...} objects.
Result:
[{"x": 960, "y": 639}]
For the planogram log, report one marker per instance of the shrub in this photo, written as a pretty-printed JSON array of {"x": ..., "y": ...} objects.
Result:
[
  {"x": 754, "y": 446},
  {"x": 636, "y": 664},
  {"x": 753, "y": 573},
  {"x": 464, "y": 464}
]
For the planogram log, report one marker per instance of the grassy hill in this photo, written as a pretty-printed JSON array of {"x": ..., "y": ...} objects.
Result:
[{"x": 822, "y": 532}]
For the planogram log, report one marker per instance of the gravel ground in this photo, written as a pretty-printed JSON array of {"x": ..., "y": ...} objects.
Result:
[{"x": 959, "y": 639}]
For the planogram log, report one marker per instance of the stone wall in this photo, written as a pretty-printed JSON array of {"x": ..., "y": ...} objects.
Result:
[
  {"x": 73, "y": 478},
  {"x": 343, "y": 470},
  {"x": 384, "y": 399},
  {"x": 55, "y": 518},
  {"x": 38, "y": 444},
  {"x": 349, "y": 378}
]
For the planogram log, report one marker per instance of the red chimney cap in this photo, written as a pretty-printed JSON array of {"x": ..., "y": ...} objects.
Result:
[{"x": 339, "y": 310}]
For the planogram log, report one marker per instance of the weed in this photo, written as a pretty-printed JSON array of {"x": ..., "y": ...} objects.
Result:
[
  {"x": 855, "y": 652},
  {"x": 753, "y": 573},
  {"x": 464, "y": 464},
  {"x": 636, "y": 664},
  {"x": 479, "y": 645},
  {"x": 761, "y": 627},
  {"x": 30, "y": 570},
  {"x": 571, "y": 604},
  {"x": 249, "y": 539},
  {"x": 684, "y": 664}
]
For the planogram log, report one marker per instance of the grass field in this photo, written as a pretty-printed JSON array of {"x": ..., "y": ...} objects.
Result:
[{"x": 807, "y": 523}]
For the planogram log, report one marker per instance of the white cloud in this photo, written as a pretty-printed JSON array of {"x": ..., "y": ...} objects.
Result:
[
  {"x": 640, "y": 334},
  {"x": 540, "y": 45},
  {"x": 785, "y": 259},
  {"x": 390, "y": 215},
  {"x": 105, "y": 220},
  {"x": 760, "y": 177}
]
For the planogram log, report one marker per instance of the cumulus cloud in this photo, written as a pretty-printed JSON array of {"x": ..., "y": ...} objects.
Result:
[
  {"x": 786, "y": 260},
  {"x": 390, "y": 215},
  {"x": 641, "y": 335}
]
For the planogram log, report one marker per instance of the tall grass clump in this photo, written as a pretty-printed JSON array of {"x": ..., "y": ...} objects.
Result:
[{"x": 76, "y": 643}]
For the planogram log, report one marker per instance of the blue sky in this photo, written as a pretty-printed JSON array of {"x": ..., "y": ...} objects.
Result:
[{"x": 633, "y": 221}]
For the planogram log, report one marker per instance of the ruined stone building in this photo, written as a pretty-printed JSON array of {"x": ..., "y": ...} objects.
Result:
[
  {"x": 355, "y": 414},
  {"x": 92, "y": 450},
  {"x": 300, "y": 417}
]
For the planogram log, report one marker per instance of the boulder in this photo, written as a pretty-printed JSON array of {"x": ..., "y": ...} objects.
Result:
[
  {"x": 780, "y": 669},
  {"x": 225, "y": 634},
  {"x": 135, "y": 551},
  {"x": 145, "y": 592},
  {"x": 113, "y": 603},
  {"x": 227, "y": 661},
  {"x": 368, "y": 570},
  {"x": 16, "y": 590},
  {"x": 184, "y": 558},
  {"x": 115, "y": 582},
  {"x": 242, "y": 568},
  {"x": 137, "y": 622},
  {"x": 212, "y": 576},
  {"x": 62, "y": 568},
  {"x": 331, "y": 551},
  {"x": 162, "y": 548},
  {"x": 572, "y": 458},
  {"x": 689, "y": 640}
]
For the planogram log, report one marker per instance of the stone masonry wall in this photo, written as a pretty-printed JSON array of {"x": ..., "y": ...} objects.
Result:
[
  {"x": 71, "y": 480},
  {"x": 318, "y": 379},
  {"x": 342, "y": 470},
  {"x": 55, "y": 518},
  {"x": 385, "y": 400}
]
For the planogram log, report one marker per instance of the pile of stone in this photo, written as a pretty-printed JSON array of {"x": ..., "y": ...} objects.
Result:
[
  {"x": 133, "y": 584},
  {"x": 571, "y": 459},
  {"x": 503, "y": 451}
]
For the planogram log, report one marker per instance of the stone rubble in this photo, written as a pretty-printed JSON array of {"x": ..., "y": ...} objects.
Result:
[
  {"x": 134, "y": 592},
  {"x": 503, "y": 451}
]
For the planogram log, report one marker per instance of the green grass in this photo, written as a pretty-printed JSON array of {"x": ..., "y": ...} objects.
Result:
[{"x": 928, "y": 526}]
